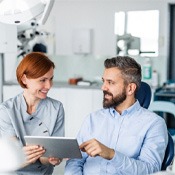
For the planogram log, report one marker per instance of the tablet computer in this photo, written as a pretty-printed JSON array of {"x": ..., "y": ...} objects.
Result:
[{"x": 61, "y": 147}]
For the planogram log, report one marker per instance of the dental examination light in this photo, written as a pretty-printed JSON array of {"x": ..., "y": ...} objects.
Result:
[
  {"x": 26, "y": 15},
  {"x": 20, "y": 11}
]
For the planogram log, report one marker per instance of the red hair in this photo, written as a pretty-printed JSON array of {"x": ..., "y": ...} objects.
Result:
[{"x": 33, "y": 65}]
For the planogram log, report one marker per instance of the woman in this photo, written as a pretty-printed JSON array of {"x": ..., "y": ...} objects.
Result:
[{"x": 33, "y": 113}]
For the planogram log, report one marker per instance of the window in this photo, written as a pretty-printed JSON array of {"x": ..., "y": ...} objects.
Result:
[{"x": 137, "y": 32}]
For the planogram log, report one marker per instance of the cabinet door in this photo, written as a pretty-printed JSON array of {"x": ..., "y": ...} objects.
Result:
[
  {"x": 8, "y": 35},
  {"x": 97, "y": 99},
  {"x": 3, "y": 38},
  {"x": 58, "y": 94},
  {"x": 78, "y": 105}
]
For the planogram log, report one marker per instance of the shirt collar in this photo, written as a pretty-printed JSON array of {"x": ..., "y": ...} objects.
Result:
[
  {"x": 127, "y": 111},
  {"x": 25, "y": 104}
]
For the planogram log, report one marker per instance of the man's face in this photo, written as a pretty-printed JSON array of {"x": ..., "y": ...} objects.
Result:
[{"x": 113, "y": 88}]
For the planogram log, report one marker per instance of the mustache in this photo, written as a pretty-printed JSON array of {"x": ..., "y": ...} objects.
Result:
[{"x": 107, "y": 93}]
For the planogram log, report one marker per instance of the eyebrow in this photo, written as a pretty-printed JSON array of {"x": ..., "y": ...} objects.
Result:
[
  {"x": 108, "y": 80},
  {"x": 47, "y": 77}
]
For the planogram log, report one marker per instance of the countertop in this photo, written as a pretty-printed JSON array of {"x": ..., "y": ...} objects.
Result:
[{"x": 62, "y": 84}]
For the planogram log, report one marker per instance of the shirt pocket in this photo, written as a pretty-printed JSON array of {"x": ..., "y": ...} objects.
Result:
[{"x": 130, "y": 145}]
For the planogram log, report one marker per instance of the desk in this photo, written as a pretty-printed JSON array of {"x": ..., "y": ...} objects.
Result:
[
  {"x": 166, "y": 94},
  {"x": 162, "y": 93}
]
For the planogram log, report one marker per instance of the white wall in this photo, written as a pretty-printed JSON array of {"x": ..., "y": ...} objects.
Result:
[{"x": 98, "y": 15}]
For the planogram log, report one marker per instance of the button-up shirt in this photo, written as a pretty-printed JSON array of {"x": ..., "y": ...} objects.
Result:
[
  {"x": 138, "y": 136},
  {"x": 47, "y": 120}
]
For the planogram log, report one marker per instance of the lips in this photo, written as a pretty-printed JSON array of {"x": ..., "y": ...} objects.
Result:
[
  {"x": 43, "y": 91},
  {"x": 107, "y": 95}
]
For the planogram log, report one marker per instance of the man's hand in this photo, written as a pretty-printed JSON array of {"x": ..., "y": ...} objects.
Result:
[{"x": 94, "y": 148}]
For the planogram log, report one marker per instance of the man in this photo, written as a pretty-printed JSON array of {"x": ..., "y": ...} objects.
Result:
[{"x": 122, "y": 138}]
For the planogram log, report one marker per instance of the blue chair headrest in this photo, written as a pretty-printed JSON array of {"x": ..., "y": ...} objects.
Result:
[{"x": 144, "y": 95}]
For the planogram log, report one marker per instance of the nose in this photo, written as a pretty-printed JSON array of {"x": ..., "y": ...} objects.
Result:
[
  {"x": 104, "y": 87},
  {"x": 48, "y": 84}
]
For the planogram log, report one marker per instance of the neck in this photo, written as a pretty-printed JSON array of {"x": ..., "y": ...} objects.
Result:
[
  {"x": 31, "y": 102},
  {"x": 125, "y": 105}
]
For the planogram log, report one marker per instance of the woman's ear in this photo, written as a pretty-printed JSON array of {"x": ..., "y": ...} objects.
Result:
[{"x": 24, "y": 79}]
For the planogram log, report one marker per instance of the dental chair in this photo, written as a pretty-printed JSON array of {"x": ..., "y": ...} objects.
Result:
[
  {"x": 165, "y": 107},
  {"x": 144, "y": 97}
]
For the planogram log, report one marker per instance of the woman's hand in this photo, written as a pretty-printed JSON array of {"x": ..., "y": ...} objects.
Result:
[
  {"x": 33, "y": 153},
  {"x": 52, "y": 160}
]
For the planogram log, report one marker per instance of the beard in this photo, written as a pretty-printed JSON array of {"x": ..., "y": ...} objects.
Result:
[{"x": 115, "y": 101}]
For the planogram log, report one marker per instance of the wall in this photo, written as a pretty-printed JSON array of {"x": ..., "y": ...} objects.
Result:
[
  {"x": 91, "y": 67},
  {"x": 98, "y": 15},
  {"x": 88, "y": 67}
]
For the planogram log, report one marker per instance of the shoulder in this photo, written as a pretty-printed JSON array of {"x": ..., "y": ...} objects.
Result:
[
  {"x": 151, "y": 117},
  {"x": 98, "y": 115},
  {"x": 100, "y": 112},
  {"x": 150, "y": 114},
  {"x": 9, "y": 108},
  {"x": 55, "y": 103},
  {"x": 12, "y": 102}
]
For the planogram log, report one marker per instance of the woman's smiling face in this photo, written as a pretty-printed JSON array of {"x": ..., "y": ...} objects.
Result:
[{"x": 39, "y": 87}]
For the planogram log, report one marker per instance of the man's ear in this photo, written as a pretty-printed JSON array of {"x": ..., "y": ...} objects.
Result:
[
  {"x": 131, "y": 88},
  {"x": 24, "y": 79}
]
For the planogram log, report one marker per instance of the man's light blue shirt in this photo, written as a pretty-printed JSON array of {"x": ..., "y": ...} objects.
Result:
[{"x": 138, "y": 136}]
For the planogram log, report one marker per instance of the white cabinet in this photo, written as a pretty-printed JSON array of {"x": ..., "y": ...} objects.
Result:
[
  {"x": 78, "y": 105},
  {"x": 97, "y": 99},
  {"x": 58, "y": 94},
  {"x": 77, "y": 102},
  {"x": 82, "y": 40},
  {"x": 8, "y": 41}
]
